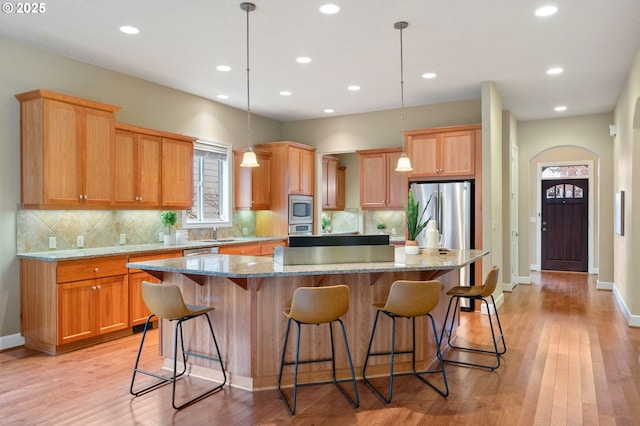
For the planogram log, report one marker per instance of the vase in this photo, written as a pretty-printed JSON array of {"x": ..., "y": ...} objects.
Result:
[
  {"x": 411, "y": 247},
  {"x": 169, "y": 240}
]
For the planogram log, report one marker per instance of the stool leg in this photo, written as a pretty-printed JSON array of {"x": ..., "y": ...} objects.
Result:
[
  {"x": 162, "y": 381},
  {"x": 356, "y": 400},
  {"x": 179, "y": 333},
  {"x": 291, "y": 409},
  {"x": 386, "y": 399}
]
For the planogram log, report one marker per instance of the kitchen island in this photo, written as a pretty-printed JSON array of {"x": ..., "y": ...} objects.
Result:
[{"x": 249, "y": 294}]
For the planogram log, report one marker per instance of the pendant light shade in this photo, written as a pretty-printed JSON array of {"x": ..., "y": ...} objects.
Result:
[
  {"x": 249, "y": 158},
  {"x": 404, "y": 163}
]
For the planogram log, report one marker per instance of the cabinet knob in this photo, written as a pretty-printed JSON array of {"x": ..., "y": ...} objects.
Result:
[
  {"x": 96, "y": 270},
  {"x": 80, "y": 197},
  {"x": 93, "y": 288},
  {"x": 99, "y": 287}
]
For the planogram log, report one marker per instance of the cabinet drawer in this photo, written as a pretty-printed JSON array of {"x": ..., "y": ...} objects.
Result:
[
  {"x": 152, "y": 256},
  {"x": 267, "y": 249},
  {"x": 75, "y": 270},
  {"x": 243, "y": 249}
]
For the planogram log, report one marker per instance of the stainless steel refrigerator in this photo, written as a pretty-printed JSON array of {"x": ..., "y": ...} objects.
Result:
[{"x": 451, "y": 207}]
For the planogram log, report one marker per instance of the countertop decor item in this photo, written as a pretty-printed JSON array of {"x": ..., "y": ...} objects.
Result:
[
  {"x": 169, "y": 219},
  {"x": 415, "y": 225}
]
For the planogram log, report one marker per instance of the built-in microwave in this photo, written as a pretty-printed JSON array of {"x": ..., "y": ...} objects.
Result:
[{"x": 300, "y": 209}]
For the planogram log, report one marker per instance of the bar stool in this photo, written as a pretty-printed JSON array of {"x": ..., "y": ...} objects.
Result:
[
  {"x": 165, "y": 301},
  {"x": 317, "y": 305},
  {"x": 407, "y": 299},
  {"x": 477, "y": 293}
]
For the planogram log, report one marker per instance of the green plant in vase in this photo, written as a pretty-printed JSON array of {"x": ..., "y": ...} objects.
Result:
[
  {"x": 415, "y": 223},
  {"x": 169, "y": 219}
]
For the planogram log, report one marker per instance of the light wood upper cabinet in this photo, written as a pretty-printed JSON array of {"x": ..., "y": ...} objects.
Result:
[
  {"x": 333, "y": 184},
  {"x": 138, "y": 162},
  {"x": 67, "y": 150},
  {"x": 252, "y": 186},
  {"x": 442, "y": 152},
  {"x": 381, "y": 187},
  {"x": 177, "y": 173},
  {"x": 300, "y": 171}
]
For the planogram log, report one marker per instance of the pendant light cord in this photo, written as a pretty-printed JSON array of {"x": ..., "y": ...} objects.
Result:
[
  {"x": 402, "y": 88},
  {"x": 248, "y": 9}
]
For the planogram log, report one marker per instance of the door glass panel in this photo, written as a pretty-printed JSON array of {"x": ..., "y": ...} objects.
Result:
[
  {"x": 565, "y": 171},
  {"x": 568, "y": 191},
  {"x": 551, "y": 192},
  {"x": 578, "y": 192},
  {"x": 559, "y": 191}
]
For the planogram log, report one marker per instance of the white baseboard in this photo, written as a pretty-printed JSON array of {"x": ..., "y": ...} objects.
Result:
[
  {"x": 524, "y": 280},
  {"x": 508, "y": 286},
  {"x": 632, "y": 320},
  {"x": 11, "y": 341},
  {"x": 603, "y": 285},
  {"x": 534, "y": 267}
]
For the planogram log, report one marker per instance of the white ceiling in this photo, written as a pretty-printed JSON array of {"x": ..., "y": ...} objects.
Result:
[{"x": 466, "y": 42}]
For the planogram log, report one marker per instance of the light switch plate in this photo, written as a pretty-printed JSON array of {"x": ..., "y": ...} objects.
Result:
[
  {"x": 123, "y": 238},
  {"x": 80, "y": 241},
  {"x": 52, "y": 242}
]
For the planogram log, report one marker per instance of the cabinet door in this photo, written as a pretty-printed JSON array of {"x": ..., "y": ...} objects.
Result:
[
  {"x": 373, "y": 183},
  {"x": 76, "y": 312},
  {"x": 397, "y": 183},
  {"x": 424, "y": 155},
  {"x": 341, "y": 188},
  {"x": 112, "y": 303},
  {"x": 61, "y": 153},
  {"x": 98, "y": 170},
  {"x": 457, "y": 153},
  {"x": 148, "y": 170},
  {"x": 306, "y": 172},
  {"x": 124, "y": 163},
  {"x": 252, "y": 186},
  {"x": 329, "y": 183},
  {"x": 177, "y": 173}
]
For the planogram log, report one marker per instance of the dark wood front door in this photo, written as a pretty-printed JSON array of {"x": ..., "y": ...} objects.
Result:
[{"x": 565, "y": 227}]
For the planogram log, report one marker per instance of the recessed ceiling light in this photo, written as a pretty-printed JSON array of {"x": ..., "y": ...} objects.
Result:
[
  {"x": 222, "y": 97},
  {"x": 303, "y": 59},
  {"x": 560, "y": 108},
  {"x": 555, "y": 71},
  {"x": 223, "y": 68},
  {"x": 546, "y": 11},
  {"x": 353, "y": 87},
  {"x": 429, "y": 75},
  {"x": 329, "y": 9},
  {"x": 328, "y": 110},
  {"x": 128, "y": 29},
  {"x": 285, "y": 93}
]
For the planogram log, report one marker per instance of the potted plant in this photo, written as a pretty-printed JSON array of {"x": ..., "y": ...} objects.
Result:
[
  {"x": 415, "y": 225},
  {"x": 382, "y": 227},
  {"x": 169, "y": 219},
  {"x": 326, "y": 224}
]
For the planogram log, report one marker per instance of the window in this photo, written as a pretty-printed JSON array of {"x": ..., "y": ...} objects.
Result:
[
  {"x": 565, "y": 171},
  {"x": 211, "y": 185}
]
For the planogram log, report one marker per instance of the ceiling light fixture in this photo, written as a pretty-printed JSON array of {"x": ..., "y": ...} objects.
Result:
[
  {"x": 329, "y": 9},
  {"x": 546, "y": 11},
  {"x": 128, "y": 29},
  {"x": 404, "y": 163},
  {"x": 285, "y": 93},
  {"x": 222, "y": 96},
  {"x": 555, "y": 71},
  {"x": 428, "y": 75},
  {"x": 249, "y": 158},
  {"x": 329, "y": 110},
  {"x": 560, "y": 108},
  {"x": 303, "y": 59},
  {"x": 353, "y": 87},
  {"x": 223, "y": 68}
]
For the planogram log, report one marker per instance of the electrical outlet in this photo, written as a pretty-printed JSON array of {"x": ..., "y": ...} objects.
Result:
[
  {"x": 161, "y": 236},
  {"x": 123, "y": 238},
  {"x": 80, "y": 241},
  {"x": 393, "y": 232},
  {"x": 245, "y": 231},
  {"x": 52, "y": 242}
]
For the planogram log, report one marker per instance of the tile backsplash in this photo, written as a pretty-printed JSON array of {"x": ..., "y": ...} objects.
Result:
[{"x": 102, "y": 228}]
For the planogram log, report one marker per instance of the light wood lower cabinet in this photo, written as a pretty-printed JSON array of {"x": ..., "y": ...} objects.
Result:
[
  {"x": 253, "y": 249},
  {"x": 90, "y": 308}
]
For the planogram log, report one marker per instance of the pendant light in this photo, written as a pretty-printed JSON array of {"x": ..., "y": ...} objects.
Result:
[
  {"x": 404, "y": 163},
  {"x": 249, "y": 158}
]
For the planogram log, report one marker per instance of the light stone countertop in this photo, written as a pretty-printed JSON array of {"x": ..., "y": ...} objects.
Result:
[
  {"x": 234, "y": 266},
  {"x": 86, "y": 253}
]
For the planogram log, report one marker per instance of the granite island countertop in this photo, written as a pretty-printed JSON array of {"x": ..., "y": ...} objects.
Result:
[
  {"x": 234, "y": 266},
  {"x": 86, "y": 253}
]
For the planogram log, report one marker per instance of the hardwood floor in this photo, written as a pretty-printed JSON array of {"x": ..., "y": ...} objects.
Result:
[{"x": 570, "y": 360}]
